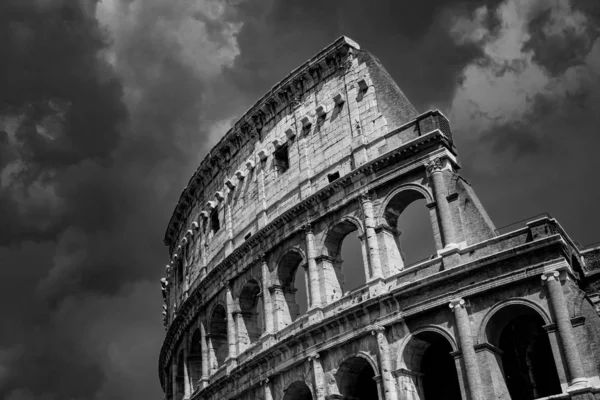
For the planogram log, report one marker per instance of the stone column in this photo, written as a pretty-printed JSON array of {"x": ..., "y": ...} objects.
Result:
[
  {"x": 318, "y": 376},
  {"x": 373, "y": 245},
  {"x": 440, "y": 192},
  {"x": 231, "y": 326},
  {"x": 385, "y": 364},
  {"x": 186, "y": 371},
  {"x": 565, "y": 329},
  {"x": 465, "y": 339},
  {"x": 242, "y": 337},
  {"x": 174, "y": 377},
  {"x": 267, "y": 389},
  {"x": 204, "y": 352},
  {"x": 262, "y": 200},
  {"x": 267, "y": 301},
  {"x": 279, "y": 306},
  {"x": 313, "y": 272}
]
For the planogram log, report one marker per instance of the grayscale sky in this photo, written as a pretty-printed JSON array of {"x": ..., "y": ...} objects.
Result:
[{"x": 107, "y": 107}]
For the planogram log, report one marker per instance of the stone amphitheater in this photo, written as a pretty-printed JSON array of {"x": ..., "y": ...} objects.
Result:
[{"x": 336, "y": 148}]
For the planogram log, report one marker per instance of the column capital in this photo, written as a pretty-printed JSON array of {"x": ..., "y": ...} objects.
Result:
[
  {"x": 307, "y": 227},
  {"x": 378, "y": 329},
  {"x": 438, "y": 164},
  {"x": 365, "y": 197},
  {"x": 550, "y": 276},
  {"x": 263, "y": 256},
  {"x": 457, "y": 304},
  {"x": 264, "y": 381},
  {"x": 313, "y": 356}
]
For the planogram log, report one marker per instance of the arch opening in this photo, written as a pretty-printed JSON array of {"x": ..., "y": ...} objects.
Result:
[
  {"x": 344, "y": 259},
  {"x": 297, "y": 391},
  {"x": 355, "y": 379},
  {"x": 195, "y": 359},
  {"x": 526, "y": 358},
  {"x": 217, "y": 337},
  {"x": 293, "y": 292},
  {"x": 430, "y": 372},
  {"x": 251, "y": 327},
  {"x": 410, "y": 238}
]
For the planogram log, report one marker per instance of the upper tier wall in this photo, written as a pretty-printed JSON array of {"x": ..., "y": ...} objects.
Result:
[{"x": 329, "y": 114}]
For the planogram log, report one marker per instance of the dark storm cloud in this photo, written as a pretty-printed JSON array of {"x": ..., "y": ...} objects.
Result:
[
  {"x": 412, "y": 42},
  {"x": 103, "y": 122}
]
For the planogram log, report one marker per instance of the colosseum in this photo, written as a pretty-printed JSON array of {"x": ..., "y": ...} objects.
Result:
[{"x": 336, "y": 148}]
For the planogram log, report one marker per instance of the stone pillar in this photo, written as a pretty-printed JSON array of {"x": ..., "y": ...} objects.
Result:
[
  {"x": 242, "y": 337},
  {"x": 385, "y": 364},
  {"x": 313, "y": 272},
  {"x": 267, "y": 301},
  {"x": 204, "y": 352},
  {"x": 231, "y": 326},
  {"x": 268, "y": 395},
  {"x": 565, "y": 329},
  {"x": 174, "y": 376},
  {"x": 262, "y": 200},
  {"x": 440, "y": 192},
  {"x": 279, "y": 307},
  {"x": 186, "y": 371},
  {"x": 318, "y": 376},
  {"x": 463, "y": 328},
  {"x": 373, "y": 245}
]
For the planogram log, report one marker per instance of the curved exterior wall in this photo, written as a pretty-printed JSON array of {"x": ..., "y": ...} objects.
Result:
[{"x": 334, "y": 148}]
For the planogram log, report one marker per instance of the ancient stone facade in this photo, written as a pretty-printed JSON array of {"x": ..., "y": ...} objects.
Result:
[{"x": 335, "y": 148}]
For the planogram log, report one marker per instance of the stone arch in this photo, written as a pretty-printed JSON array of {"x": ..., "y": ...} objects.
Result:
[
  {"x": 285, "y": 264},
  {"x": 427, "y": 369},
  {"x": 250, "y": 325},
  {"x": 217, "y": 336},
  {"x": 287, "y": 307},
  {"x": 355, "y": 377},
  {"x": 331, "y": 261},
  {"x": 520, "y": 360},
  {"x": 366, "y": 356},
  {"x": 336, "y": 232},
  {"x": 195, "y": 358},
  {"x": 481, "y": 334},
  {"x": 297, "y": 390},
  {"x": 425, "y": 328},
  {"x": 394, "y": 256}
]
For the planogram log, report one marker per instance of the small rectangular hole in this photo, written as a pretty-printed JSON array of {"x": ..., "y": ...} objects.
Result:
[
  {"x": 247, "y": 235},
  {"x": 333, "y": 177}
]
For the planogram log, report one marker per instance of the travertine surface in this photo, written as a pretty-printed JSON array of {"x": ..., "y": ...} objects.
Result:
[{"x": 333, "y": 148}]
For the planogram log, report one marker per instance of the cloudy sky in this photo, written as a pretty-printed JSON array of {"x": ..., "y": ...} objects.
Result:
[{"x": 107, "y": 107}]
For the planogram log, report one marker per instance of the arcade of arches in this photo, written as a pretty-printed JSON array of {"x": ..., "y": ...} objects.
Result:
[
  {"x": 520, "y": 361},
  {"x": 521, "y": 365}
]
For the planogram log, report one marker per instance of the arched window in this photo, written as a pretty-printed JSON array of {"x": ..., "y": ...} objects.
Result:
[
  {"x": 355, "y": 380},
  {"x": 526, "y": 356},
  {"x": 430, "y": 368},
  {"x": 195, "y": 359},
  {"x": 251, "y": 327},
  {"x": 285, "y": 294},
  {"x": 217, "y": 337},
  {"x": 408, "y": 235},
  {"x": 297, "y": 391},
  {"x": 344, "y": 260}
]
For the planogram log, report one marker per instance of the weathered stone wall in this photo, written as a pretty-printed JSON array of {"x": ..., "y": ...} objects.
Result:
[{"x": 233, "y": 289}]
